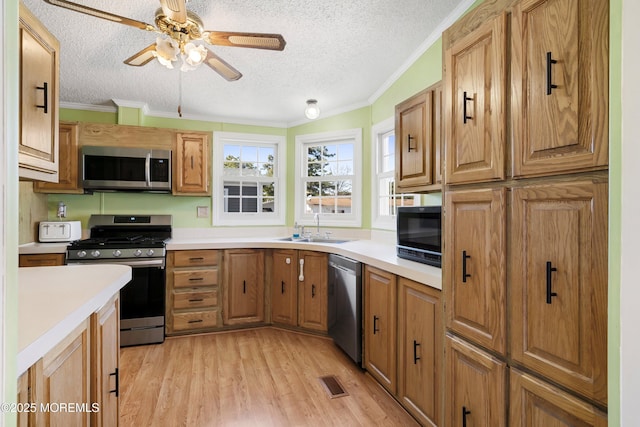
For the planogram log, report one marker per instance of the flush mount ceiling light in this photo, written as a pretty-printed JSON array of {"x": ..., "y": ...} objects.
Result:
[{"x": 312, "y": 111}]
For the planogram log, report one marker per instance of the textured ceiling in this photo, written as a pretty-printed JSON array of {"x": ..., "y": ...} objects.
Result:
[{"x": 339, "y": 52}]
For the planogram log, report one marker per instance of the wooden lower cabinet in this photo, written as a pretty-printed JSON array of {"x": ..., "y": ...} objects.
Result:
[
  {"x": 284, "y": 287},
  {"x": 40, "y": 260},
  {"x": 25, "y": 418},
  {"x": 380, "y": 326},
  {"x": 534, "y": 403},
  {"x": 243, "y": 286},
  {"x": 193, "y": 291},
  {"x": 105, "y": 362},
  {"x": 420, "y": 351},
  {"x": 475, "y": 386},
  {"x": 312, "y": 290}
]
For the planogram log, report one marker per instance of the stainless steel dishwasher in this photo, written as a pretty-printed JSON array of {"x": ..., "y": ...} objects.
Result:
[{"x": 344, "y": 314}]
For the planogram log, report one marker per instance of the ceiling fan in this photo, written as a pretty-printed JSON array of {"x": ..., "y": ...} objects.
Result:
[{"x": 182, "y": 27}]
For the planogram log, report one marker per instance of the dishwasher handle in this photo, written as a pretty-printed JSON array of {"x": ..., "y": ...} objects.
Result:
[{"x": 341, "y": 268}]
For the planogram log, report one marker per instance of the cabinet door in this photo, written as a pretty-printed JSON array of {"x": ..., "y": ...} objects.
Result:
[
  {"x": 62, "y": 375},
  {"x": 105, "y": 335},
  {"x": 474, "y": 273},
  {"x": 312, "y": 290},
  {"x": 413, "y": 141},
  {"x": 475, "y": 87},
  {"x": 535, "y": 403},
  {"x": 558, "y": 284},
  {"x": 475, "y": 386},
  {"x": 560, "y": 79},
  {"x": 243, "y": 286},
  {"x": 39, "y": 65},
  {"x": 67, "y": 165},
  {"x": 191, "y": 172},
  {"x": 420, "y": 349},
  {"x": 284, "y": 287},
  {"x": 380, "y": 326}
]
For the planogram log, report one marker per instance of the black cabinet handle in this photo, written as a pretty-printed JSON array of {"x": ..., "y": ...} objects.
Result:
[
  {"x": 465, "y": 99},
  {"x": 196, "y": 300},
  {"x": 191, "y": 162},
  {"x": 465, "y": 412},
  {"x": 313, "y": 290},
  {"x": 415, "y": 352},
  {"x": 44, "y": 88},
  {"x": 196, "y": 259},
  {"x": 196, "y": 279},
  {"x": 375, "y": 327},
  {"x": 550, "y": 270},
  {"x": 550, "y": 62},
  {"x": 465, "y": 257},
  {"x": 244, "y": 286},
  {"x": 409, "y": 138},
  {"x": 195, "y": 321},
  {"x": 117, "y": 389},
  {"x": 282, "y": 291}
]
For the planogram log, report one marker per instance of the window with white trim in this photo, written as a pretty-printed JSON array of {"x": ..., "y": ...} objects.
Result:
[
  {"x": 385, "y": 200},
  {"x": 249, "y": 179},
  {"x": 329, "y": 166}
]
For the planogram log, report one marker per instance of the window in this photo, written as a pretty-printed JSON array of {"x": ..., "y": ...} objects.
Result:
[
  {"x": 385, "y": 200},
  {"x": 329, "y": 166},
  {"x": 249, "y": 179}
]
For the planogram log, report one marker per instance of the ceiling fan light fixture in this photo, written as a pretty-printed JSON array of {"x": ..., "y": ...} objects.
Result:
[
  {"x": 166, "y": 51},
  {"x": 312, "y": 111},
  {"x": 192, "y": 56}
]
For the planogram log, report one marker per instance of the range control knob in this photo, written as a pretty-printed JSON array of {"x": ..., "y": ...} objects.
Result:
[
  {"x": 95, "y": 253},
  {"x": 81, "y": 254},
  {"x": 117, "y": 253},
  {"x": 150, "y": 252},
  {"x": 137, "y": 252}
]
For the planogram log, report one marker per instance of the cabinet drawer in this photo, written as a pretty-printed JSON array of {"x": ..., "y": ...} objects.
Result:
[
  {"x": 195, "y": 320},
  {"x": 195, "y": 258},
  {"x": 193, "y": 278},
  {"x": 195, "y": 299}
]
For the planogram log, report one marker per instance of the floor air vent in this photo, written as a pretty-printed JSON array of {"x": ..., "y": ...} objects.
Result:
[{"x": 333, "y": 386}]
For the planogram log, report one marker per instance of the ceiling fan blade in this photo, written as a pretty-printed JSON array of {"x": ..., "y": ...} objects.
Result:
[
  {"x": 221, "y": 67},
  {"x": 251, "y": 40},
  {"x": 143, "y": 57},
  {"x": 175, "y": 10},
  {"x": 101, "y": 14}
]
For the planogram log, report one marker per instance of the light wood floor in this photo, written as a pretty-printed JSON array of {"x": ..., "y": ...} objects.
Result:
[{"x": 254, "y": 377}]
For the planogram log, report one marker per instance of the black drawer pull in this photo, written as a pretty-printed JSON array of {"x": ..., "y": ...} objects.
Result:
[
  {"x": 195, "y": 321},
  {"x": 550, "y": 62},
  {"x": 196, "y": 279},
  {"x": 465, "y": 412},
  {"x": 465, "y": 115},
  {"x": 465, "y": 257},
  {"x": 196, "y": 300},
  {"x": 375, "y": 327},
  {"x": 45, "y": 107},
  {"x": 199, "y": 258},
  {"x": 550, "y": 270},
  {"x": 117, "y": 389},
  {"x": 416, "y": 344}
]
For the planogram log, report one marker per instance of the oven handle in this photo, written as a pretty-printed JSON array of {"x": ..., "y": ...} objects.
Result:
[
  {"x": 132, "y": 264},
  {"x": 147, "y": 169}
]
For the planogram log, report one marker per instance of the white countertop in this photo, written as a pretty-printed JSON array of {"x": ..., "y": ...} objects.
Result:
[
  {"x": 377, "y": 254},
  {"x": 43, "y": 248},
  {"x": 53, "y": 301}
]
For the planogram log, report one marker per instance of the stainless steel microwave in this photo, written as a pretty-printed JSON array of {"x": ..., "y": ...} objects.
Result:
[
  {"x": 125, "y": 169},
  {"x": 419, "y": 230}
]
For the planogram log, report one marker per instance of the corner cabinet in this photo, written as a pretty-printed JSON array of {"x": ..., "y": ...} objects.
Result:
[
  {"x": 39, "y": 86},
  {"x": 191, "y": 172},
  {"x": 418, "y": 142},
  {"x": 475, "y": 93},
  {"x": 243, "y": 286},
  {"x": 68, "y": 163}
]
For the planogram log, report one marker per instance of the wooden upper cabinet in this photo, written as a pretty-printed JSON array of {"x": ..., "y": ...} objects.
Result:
[
  {"x": 68, "y": 165},
  {"x": 191, "y": 172},
  {"x": 380, "y": 326},
  {"x": 558, "y": 284},
  {"x": 39, "y": 88},
  {"x": 560, "y": 79},
  {"x": 418, "y": 141},
  {"x": 475, "y": 93},
  {"x": 243, "y": 286},
  {"x": 475, "y": 274}
]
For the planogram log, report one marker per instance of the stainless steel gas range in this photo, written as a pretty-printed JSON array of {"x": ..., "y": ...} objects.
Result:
[{"x": 137, "y": 241}]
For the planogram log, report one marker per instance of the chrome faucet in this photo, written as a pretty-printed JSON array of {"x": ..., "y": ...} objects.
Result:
[{"x": 316, "y": 218}]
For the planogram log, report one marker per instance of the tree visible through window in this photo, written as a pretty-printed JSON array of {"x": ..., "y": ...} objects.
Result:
[{"x": 329, "y": 178}]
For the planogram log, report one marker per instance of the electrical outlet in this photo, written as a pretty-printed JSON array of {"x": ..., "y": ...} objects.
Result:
[{"x": 203, "y": 211}]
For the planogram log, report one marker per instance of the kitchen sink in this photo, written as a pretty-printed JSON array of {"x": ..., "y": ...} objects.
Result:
[{"x": 314, "y": 240}]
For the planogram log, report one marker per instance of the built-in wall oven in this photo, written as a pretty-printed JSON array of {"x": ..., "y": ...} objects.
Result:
[{"x": 139, "y": 242}]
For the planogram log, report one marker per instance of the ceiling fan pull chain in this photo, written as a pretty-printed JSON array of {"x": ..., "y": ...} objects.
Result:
[{"x": 180, "y": 95}]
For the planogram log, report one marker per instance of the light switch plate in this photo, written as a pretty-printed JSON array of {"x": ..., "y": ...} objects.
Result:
[{"x": 203, "y": 211}]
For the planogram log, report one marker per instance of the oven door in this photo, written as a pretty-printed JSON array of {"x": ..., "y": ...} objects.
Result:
[{"x": 142, "y": 305}]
